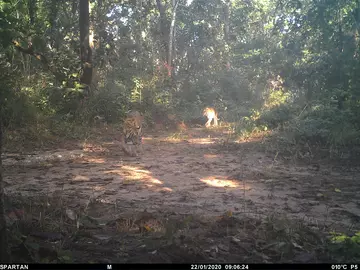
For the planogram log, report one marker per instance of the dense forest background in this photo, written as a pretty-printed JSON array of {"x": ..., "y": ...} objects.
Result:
[{"x": 291, "y": 66}]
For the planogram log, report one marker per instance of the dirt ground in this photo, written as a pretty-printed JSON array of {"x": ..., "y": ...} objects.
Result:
[{"x": 183, "y": 200}]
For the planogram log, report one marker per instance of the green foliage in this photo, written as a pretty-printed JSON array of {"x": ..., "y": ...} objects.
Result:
[
  {"x": 110, "y": 103},
  {"x": 18, "y": 110},
  {"x": 249, "y": 125},
  {"x": 313, "y": 49},
  {"x": 277, "y": 98},
  {"x": 346, "y": 247},
  {"x": 16, "y": 107},
  {"x": 327, "y": 125},
  {"x": 278, "y": 116}
]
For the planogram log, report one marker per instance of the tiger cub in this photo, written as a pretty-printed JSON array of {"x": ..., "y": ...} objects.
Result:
[
  {"x": 132, "y": 132},
  {"x": 210, "y": 114}
]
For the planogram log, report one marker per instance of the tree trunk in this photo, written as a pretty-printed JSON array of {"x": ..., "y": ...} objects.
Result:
[
  {"x": 4, "y": 248},
  {"x": 226, "y": 30},
  {"x": 357, "y": 28},
  {"x": 226, "y": 20},
  {"x": 85, "y": 48},
  {"x": 32, "y": 10},
  {"x": 164, "y": 31},
  {"x": 172, "y": 35}
]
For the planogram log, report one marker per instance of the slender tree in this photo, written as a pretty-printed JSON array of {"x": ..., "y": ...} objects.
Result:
[
  {"x": 85, "y": 47},
  {"x": 172, "y": 34},
  {"x": 4, "y": 247}
]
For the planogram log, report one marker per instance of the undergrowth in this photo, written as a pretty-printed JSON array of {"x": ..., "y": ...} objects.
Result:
[
  {"x": 44, "y": 134},
  {"x": 47, "y": 229},
  {"x": 313, "y": 130}
]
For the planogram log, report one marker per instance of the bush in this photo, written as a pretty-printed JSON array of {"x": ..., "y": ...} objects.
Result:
[
  {"x": 278, "y": 116},
  {"x": 327, "y": 125},
  {"x": 249, "y": 125},
  {"x": 109, "y": 103}
]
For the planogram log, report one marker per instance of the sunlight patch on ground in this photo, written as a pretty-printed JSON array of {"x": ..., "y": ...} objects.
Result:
[
  {"x": 154, "y": 180},
  {"x": 219, "y": 182},
  {"x": 147, "y": 139},
  {"x": 95, "y": 160},
  {"x": 175, "y": 140},
  {"x": 135, "y": 173},
  {"x": 142, "y": 171},
  {"x": 212, "y": 156},
  {"x": 200, "y": 141},
  {"x": 81, "y": 178},
  {"x": 99, "y": 188},
  {"x": 163, "y": 190},
  {"x": 134, "y": 169}
]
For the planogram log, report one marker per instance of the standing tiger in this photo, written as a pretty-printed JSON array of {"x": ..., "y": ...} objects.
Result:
[
  {"x": 210, "y": 114},
  {"x": 132, "y": 132}
]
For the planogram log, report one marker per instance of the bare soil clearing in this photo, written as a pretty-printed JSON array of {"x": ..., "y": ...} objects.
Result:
[{"x": 181, "y": 201}]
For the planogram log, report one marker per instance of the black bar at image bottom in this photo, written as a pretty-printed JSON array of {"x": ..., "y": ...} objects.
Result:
[{"x": 198, "y": 266}]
